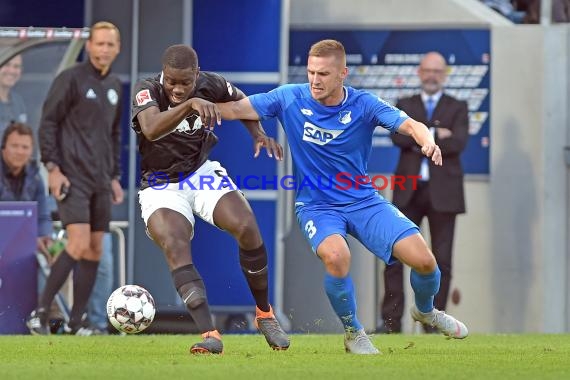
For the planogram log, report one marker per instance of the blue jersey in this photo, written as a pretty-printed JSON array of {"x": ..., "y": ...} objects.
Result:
[{"x": 330, "y": 145}]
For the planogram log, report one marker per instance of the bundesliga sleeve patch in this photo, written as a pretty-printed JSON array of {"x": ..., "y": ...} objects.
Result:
[{"x": 143, "y": 97}]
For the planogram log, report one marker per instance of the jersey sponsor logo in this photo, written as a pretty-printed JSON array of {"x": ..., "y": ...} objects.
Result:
[
  {"x": 184, "y": 126},
  {"x": 306, "y": 112},
  {"x": 319, "y": 136},
  {"x": 91, "y": 94},
  {"x": 143, "y": 97},
  {"x": 112, "y": 96},
  {"x": 344, "y": 117}
]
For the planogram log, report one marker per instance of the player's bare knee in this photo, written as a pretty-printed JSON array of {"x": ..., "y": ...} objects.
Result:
[
  {"x": 79, "y": 250},
  {"x": 425, "y": 264},
  {"x": 337, "y": 262},
  {"x": 172, "y": 244},
  {"x": 336, "y": 267},
  {"x": 247, "y": 233}
]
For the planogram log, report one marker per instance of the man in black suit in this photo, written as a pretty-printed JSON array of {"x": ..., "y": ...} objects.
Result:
[{"x": 439, "y": 194}]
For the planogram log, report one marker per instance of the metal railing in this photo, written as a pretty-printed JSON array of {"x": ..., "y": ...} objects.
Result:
[{"x": 116, "y": 227}]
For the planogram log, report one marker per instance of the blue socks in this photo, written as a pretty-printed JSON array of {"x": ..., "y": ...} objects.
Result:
[
  {"x": 341, "y": 296},
  {"x": 425, "y": 288}
]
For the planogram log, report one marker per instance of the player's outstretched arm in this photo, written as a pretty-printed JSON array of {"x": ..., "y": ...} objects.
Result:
[
  {"x": 422, "y": 136},
  {"x": 240, "y": 109},
  {"x": 208, "y": 111}
]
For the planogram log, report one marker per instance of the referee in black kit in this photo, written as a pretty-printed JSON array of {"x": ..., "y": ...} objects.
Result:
[{"x": 80, "y": 146}]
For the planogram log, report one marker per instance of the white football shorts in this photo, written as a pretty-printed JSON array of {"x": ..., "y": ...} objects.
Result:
[{"x": 197, "y": 194}]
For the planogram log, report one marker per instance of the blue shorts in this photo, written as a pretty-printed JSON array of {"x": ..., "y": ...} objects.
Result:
[{"x": 375, "y": 222}]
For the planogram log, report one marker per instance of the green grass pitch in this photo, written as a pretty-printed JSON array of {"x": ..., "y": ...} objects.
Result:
[{"x": 311, "y": 357}]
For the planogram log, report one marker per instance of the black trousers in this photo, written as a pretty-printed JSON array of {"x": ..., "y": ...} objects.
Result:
[{"x": 442, "y": 229}]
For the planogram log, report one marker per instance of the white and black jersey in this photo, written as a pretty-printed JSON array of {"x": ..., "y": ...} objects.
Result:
[
  {"x": 175, "y": 156},
  {"x": 80, "y": 126}
]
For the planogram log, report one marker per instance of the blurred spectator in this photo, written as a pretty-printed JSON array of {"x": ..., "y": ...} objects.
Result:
[
  {"x": 506, "y": 8},
  {"x": 560, "y": 10},
  {"x": 12, "y": 107},
  {"x": 531, "y": 8},
  {"x": 20, "y": 179},
  {"x": 439, "y": 195}
]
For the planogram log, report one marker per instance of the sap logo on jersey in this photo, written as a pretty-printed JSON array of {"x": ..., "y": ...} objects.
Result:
[{"x": 319, "y": 136}]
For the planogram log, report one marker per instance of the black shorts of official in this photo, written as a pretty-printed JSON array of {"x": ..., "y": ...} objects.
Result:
[{"x": 86, "y": 206}]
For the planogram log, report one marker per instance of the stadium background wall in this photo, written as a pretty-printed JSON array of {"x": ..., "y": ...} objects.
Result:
[{"x": 511, "y": 252}]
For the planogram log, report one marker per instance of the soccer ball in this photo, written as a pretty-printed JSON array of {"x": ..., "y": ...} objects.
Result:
[{"x": 131, "y": 309}]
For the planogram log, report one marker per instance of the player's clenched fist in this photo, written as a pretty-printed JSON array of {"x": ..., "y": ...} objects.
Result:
[{"x": 208, "y": 111}]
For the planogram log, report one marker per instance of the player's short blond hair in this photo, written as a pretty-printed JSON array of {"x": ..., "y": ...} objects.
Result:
[
  {"x": 104, "y": 25},
  {"x": 327, "y": 48}
]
